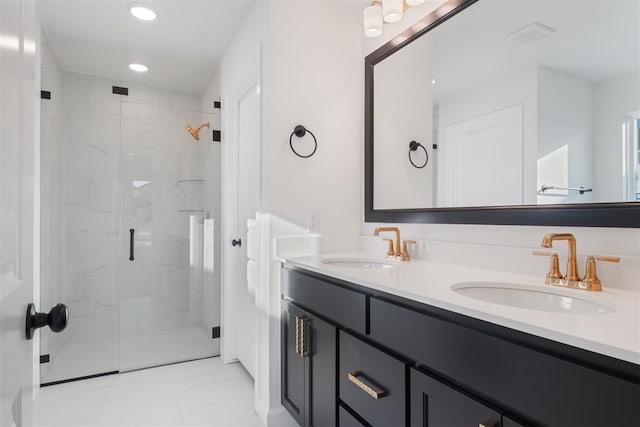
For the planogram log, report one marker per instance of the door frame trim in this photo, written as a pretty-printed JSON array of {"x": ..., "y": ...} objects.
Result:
[{"x": 251, "y": 75}]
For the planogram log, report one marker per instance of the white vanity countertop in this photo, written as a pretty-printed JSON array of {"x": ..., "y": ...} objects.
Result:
[{"x": 615, "y": 334}]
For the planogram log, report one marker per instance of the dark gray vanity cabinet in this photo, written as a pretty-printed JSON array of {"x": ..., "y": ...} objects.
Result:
[
  {"x": 308, "y": 367},
  {"x": 377, "y": 359}
]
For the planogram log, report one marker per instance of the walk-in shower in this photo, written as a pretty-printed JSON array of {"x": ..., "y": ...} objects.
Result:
[{"x": 129, "y": 217}]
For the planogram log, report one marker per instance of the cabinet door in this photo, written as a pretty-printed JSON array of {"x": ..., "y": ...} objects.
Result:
[
  {"x": 294, "y": 387},
  {"x": 322, "y": 372},
  {"x": 434, "y": 404},
  {"x": 308, "y": 367}
]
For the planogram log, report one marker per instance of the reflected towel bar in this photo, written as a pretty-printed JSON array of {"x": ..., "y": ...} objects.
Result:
[{"x": 580, "y": 190}]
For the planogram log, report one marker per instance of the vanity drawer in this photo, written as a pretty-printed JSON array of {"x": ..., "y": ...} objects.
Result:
[
  {"x": 524, "y": 381},
  {"x": 371, "y": 382},
  {"x": 343, "y": 306},
  {"x": 345, "y": 419}
]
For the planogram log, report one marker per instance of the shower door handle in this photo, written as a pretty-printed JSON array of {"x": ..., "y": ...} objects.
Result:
[
  {"x": 132, "y": 240},
  {"x": 57, "y": 319}
]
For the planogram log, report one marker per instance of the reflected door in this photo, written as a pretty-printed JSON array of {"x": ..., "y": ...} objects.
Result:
[{"x": 467, "y": 172}]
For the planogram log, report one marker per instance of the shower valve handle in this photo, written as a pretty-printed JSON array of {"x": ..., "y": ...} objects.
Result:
[{"x": 235, "y": 242}]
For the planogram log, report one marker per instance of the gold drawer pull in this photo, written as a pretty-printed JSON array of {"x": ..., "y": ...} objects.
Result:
[
  {"x": 353, "y": 377},
  {"x": 301, "y": 348}
]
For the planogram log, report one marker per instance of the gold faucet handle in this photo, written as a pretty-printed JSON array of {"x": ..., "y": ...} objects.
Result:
[
  {"x": 591, "y": 278},
  {"x": 606, "y": 258},
  {"x": 541, "y": 253},
  {"x": 554, "y": 267},
  {"x": 405, "y": 250},
  {"x": 390, "y": 252}
]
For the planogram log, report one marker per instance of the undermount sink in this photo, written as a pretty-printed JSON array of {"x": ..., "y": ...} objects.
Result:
[
  {"x": 357, "y": 263},
  {"x": 530, "y": 297}
]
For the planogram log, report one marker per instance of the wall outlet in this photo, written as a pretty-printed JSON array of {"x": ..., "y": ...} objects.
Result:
[{"x": 313, "y": 223}]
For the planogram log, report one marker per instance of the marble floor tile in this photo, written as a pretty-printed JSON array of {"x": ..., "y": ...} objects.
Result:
[{"x": 199, "y": 393}]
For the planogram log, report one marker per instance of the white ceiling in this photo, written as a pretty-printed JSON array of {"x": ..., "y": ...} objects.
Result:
[
  {"x": 181, "y": 47},
  {"x": 595, "y": 40}
]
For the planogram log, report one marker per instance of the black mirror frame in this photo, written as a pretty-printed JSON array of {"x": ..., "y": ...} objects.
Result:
[{"x": 625, "y": 215}]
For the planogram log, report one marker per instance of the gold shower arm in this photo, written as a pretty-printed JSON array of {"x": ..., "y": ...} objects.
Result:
[{"x": 195, "y": 133}]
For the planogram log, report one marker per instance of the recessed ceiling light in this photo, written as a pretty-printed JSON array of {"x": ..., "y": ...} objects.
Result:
[
  {"x": 143, "y": 13},
  {"x": 140, "y": 68}
]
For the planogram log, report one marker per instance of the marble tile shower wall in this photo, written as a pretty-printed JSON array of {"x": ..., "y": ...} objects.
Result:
[{"x": 128, "y": 162}]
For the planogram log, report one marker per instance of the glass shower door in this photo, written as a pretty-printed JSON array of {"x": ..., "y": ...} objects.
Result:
[
  {"x": 79, "y": 229},
  {"x": 162, "y": 238}
]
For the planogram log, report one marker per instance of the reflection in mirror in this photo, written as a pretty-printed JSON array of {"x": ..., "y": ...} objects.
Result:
[{"x": 517, "y": 102}]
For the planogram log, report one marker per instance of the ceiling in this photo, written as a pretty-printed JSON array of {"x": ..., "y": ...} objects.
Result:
[
  {"x": 594, "y": 40},
  {"x": 181, "y": 47}
]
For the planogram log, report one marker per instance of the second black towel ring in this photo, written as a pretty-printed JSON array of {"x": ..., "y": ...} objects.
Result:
[
  {"x": 301, "y": 131},
  {"x": 413, "y": 146}
]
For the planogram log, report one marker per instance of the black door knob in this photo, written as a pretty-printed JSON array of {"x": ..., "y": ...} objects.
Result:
[
  {"x": 235, "y": 242},
  {"x": 56, "y": 319}
]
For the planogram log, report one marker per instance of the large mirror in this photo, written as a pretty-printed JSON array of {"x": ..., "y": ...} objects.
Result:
[{"x": 505, "y": 112}]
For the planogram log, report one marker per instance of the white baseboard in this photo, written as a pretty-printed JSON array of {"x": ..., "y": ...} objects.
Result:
[{"x": 279, "y": 417}]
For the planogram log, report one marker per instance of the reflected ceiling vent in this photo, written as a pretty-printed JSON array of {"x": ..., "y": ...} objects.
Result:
[{"x": 531, "y": 33}]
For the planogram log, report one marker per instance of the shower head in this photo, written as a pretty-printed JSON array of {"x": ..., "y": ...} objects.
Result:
[{"x": 195, "y": 132}]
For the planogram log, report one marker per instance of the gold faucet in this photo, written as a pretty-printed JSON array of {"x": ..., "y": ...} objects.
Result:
[
  {"x": 393, "y": 250},
  {"x": 590, "y": 281},
  {"x": 572, "y": 262}
]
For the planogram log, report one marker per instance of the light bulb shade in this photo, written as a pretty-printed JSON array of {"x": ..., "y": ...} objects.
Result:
[
  {"x": 392, "y": 10},
  {"x": 372, "y": 17},
  {"x": 414, "y": 2}
]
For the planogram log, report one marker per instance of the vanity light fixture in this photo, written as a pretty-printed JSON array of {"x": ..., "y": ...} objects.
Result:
[
  {"x": 139, "y": 68},
  {"x": 142, "y": 13},
  {"x": 384, "y": 11},
  {"x": 372, "y": 17},
  {"x": 392, "y": 10}
]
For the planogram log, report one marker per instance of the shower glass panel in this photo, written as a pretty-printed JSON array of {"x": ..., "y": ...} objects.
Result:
[
  {"x": 111, "y": 164},
  {"x": 79, "y": 229},
  {"x": 162, "y": 237}
]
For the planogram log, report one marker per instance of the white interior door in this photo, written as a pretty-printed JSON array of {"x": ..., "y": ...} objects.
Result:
[
  {"x": 18, "y": 178},
  {"x": 242, "y": 201},
  {"x": 470, "y": 146}
]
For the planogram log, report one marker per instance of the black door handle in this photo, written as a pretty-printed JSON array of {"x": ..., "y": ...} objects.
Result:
[
  {"x": 57, "y": 319},
  {"x": 235, "y": 242},
  {"x": 131, "y": 243}
]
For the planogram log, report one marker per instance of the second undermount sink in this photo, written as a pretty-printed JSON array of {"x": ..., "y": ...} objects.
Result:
[
  {"x": 357, "y": 263},
  {"x": 531, "y": 297}
]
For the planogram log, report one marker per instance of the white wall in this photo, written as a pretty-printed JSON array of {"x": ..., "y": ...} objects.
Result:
[
  {"x": 315, "y": 78},
  {"x": 403, "y": 113},
  {"x": 612, "y": 101}
]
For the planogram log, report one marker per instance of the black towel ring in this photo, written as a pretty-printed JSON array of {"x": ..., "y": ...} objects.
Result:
[
  {"x": 413, "y": 146},
  {"x": 301, "y": 131}
]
